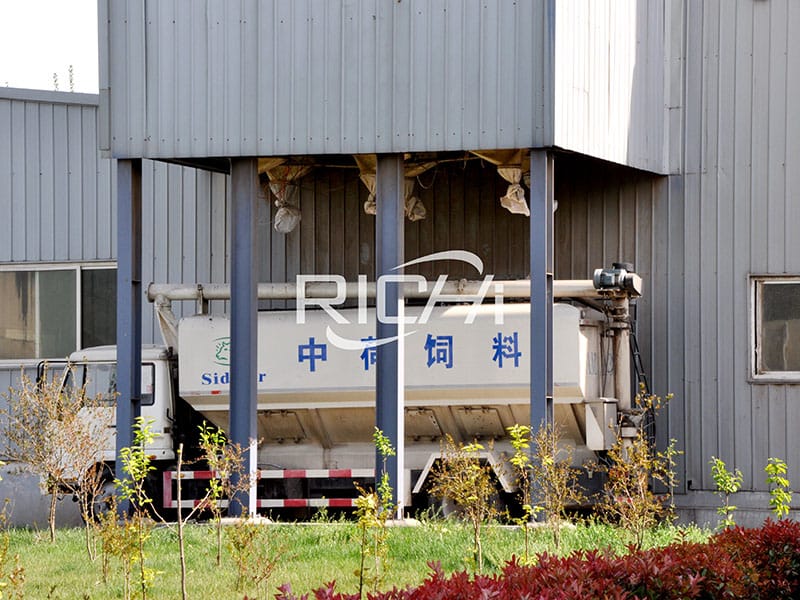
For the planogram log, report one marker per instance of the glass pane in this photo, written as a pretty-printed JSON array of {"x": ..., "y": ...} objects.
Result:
[
  {"x": 37, "y": 314},
  {"x": 780, "y": 326},
  {"x": 57, "y": 313},
  {"x": 101, "y": 382},
  {"x": 17, "y": 315},
  {"x": 98, "y": 307}
]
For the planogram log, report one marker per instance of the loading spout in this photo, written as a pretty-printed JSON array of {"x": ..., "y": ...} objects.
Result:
[{"x": 167, "y": 321}]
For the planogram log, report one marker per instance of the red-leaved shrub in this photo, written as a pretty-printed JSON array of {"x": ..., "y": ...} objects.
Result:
[
  {"x": 768, "y": 558},
  {"x": 758, "y": 564}
]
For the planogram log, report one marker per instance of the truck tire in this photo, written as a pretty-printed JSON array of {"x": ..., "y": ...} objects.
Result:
[{"x": 104, "y": 501}]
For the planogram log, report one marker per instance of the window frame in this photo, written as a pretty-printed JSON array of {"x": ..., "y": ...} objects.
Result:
[
  {"x": 147, "y": 366},
  {"x": 77, "y": 268},
  {"x": 756, "y": 374}
]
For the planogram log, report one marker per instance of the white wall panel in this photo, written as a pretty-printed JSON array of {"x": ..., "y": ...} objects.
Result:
[{"x": 610, "y": 59}]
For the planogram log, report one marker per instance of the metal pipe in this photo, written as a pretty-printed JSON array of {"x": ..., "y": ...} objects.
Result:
[
  {"x": 622, "y": 368},
  {"x": 516, "y": 288}
]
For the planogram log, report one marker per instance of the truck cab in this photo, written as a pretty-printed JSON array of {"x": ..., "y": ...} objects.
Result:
[{"x": 96, "y": 369}]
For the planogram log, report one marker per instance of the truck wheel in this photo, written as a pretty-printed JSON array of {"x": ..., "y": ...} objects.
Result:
[{"x": 104, "y": 501}]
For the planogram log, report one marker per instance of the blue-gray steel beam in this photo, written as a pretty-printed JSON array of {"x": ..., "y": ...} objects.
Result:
[
  {"x": 129, "y": 305},
  {"x": 389, "y": 252},
  {"x": 541, "y": 248},
  {"x": 244, "y": 322}
]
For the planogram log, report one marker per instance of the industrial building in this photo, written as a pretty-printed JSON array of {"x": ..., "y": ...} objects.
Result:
[{"x": 655, "y": 132}]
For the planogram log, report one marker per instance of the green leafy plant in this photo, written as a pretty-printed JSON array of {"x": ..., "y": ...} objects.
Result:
[
  {"x": 670, "y": 478},
  {"x": 555, "y": 479},
  {"x": 12, "y": 573},
  {"x": 182, "y": 520},
  {"x": 780, "y": 496},
  {"x": 226, "y": 460},
  {"x": 251, "y": 549},
  {"x": 633, "y": 467},
  {"x": 119, "y": 540},
  {"x": 137, "y": 465},
  {"x": 462, "y": 477},
  {"x": 728, "y": 483},
  {"x": 373, "y": 509},
  {"x": 94, "y": 499},
  {"x": 521, "y": 462}
]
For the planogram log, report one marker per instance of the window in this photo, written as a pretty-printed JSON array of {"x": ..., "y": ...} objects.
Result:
[
  {"x": 50, "y": 311},
  {"x": 98, "y": 307},
  {"x": 776, "y": 328},
  {"x": 100, "y": 380}
]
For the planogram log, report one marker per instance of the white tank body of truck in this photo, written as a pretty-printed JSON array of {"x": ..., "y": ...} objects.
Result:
[{"x": 467, "y": 373}]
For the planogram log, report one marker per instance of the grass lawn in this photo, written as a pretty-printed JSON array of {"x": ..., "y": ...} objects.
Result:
[{"x": 306, "y": 555}]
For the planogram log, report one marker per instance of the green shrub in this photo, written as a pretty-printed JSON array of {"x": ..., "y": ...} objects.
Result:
[{"x": 727, "y": 482}]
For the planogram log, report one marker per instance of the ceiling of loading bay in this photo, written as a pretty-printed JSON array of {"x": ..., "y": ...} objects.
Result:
[{"x": 281, "y": 176}]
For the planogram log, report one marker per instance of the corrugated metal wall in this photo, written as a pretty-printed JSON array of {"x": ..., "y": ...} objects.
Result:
[
  {"x": 336, "y": 236},
  {"x": 741, "y": 159},
  {"x": 59, "y": 196},
  {"x": 727, "y": 212},
  {"x": 53, "y": 186},
  {"x": 268, "y": 77},
  {"x": 609, "y": 80}
]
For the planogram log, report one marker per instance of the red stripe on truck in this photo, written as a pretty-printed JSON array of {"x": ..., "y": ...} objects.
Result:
[{"x": 294, "y": 473}]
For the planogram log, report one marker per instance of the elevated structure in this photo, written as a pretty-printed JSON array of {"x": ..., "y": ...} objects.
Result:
[{"x": 659, "y": 126}]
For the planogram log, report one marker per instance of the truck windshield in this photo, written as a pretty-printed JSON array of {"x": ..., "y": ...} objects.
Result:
[{"x": 100, "y": 380}]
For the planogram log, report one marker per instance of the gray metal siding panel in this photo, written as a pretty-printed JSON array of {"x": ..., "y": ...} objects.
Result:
[
  {"x": 792, "y": 140},
  {"x": 6, "y": 178},
  {"x": 180, "y": 206},
  {"x": 75, "y": 184},
  {"x": 266, "y": 77},
  {"x": 106, "y": 247},
  {"x": 17, "y": 182},
  {"x": 127, "y": 87},
  {"x": 673, "y": 319},
  {"x": 741, "y": 80},
  {"x": 32, "y": 199},
  {"x": 727, "y": 282},
  {"x": 103, "y": 114},
  {"x": 741, "y": 158},
  {"x": 10, "y": 377},
  {"x": 47, "y": 190},
  {"x": 49, "y": 169},
  {"x": 59, "y": 195},
  {"x": 89, "y": 176},
  {"x": 203, "y": 227}
]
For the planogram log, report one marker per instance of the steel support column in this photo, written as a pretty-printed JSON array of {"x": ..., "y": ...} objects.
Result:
[
  {"x": 129, "y": 304},
  {"x": 541, "y": 248},
  {"x": 389, "y": 384},
  {"x": 244, "y": 322}
]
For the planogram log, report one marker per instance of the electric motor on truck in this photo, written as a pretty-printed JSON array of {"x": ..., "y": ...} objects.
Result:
[{"x": 467, "y": 375}]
